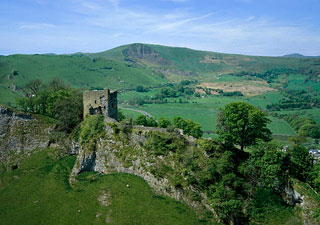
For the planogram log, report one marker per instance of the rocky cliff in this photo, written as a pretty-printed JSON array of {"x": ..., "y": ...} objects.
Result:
[
  {"x": 170, "y": 162},
  {"x": 20, "y": 134},
  {"x": 123, "y": 149}
]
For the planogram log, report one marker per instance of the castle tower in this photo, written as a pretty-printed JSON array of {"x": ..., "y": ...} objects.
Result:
[{"x": 100, "y": 102}]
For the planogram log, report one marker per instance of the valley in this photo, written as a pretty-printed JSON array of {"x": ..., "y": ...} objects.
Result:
[{"x": 200, "y": 138}]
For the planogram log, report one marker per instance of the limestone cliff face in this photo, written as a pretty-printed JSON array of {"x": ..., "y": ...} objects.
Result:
[
  {"x": 128, "y": 155},
  {"x": 21, "y": 133},
  {"x": 127, "y": 149}
]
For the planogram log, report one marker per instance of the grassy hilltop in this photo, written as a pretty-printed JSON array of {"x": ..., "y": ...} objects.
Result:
[{"x": 263, "y": 81}]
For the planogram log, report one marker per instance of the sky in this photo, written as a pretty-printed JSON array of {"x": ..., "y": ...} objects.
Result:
[{"x": 251, "y": 27}]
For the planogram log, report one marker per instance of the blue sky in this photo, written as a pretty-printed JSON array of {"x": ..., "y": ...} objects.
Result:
[{"x": 253, "y": 27}]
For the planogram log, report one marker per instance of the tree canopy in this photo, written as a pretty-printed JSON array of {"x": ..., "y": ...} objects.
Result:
[
  {"x": 242, "y": 124},
  {"x": 56, "y": 100}
]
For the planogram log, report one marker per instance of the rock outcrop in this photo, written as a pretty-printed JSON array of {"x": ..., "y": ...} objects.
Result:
[
  {"x": 21, "y": 133},
  {"x": 109, "y": 156}
]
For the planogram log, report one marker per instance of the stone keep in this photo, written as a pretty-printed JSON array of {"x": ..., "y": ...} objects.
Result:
[{"x": 103, "y": 102}]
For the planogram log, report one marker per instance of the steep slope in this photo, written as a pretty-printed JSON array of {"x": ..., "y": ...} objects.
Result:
[
  {"x": 38, "y": 193},
  {"x": 21, "y": 134}
]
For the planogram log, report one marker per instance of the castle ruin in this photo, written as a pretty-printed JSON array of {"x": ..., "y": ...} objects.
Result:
[{"x": 102, "y": 102}]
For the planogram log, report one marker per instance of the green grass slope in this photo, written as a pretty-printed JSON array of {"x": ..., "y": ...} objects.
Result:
[
  {"x": 204, "y": 62},
  {"x": 38, "y": 192},
  {"x": 78, "y": 70}
]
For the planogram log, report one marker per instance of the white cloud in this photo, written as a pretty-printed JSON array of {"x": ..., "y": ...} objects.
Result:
[{"x": 96, "y": 25}]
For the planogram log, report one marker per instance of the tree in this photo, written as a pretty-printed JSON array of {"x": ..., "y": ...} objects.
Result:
[
  {"x": 57, "y": 84},
  {"x": 68, "y": 110},
  {"x": 242, "y": 124},
  {"x": 141, "y": 120},
  {"x": 140, "y": 88},
  {"x": 151, "y": 122},
  {"x": 121, "y": 115},
  {"x": 267, "y": 167},
  {"x": 301, "y": 162},
  {"x": 33, "y": 87},
  {"x": 188, "y": 126},
  {"x": 164, "y": 122}
]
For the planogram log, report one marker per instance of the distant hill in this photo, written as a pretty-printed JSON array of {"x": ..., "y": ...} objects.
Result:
[
  {"x": 297, "y": 55},
  {"x": 135, "y": 64}
]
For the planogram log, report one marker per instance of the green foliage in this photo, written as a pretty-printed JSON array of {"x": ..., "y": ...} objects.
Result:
[
  {"x": 314, "y": 177},
  {"x": 92, "y": 129},
  {"x": 141, "y": 120},
  {"x": 265, "y": 202},
  {"x": 146, "y": 121},
  {"x": 234, "y": 93},
  {"x": 301, "y": 162},
  {"x": 151, "y": 122},
  {"x": 304, "y": 126},
  {"x": 56, "y": 100},
  {"x": 140, "y": 88},
  {"x": 242, "y": 124},
  {"x": 164, "y": 122},
  {"x": 162, "y": 143},
  {"x": 168, "y": 92},
  {"x": 188, "y": 126},
  {"x": 121, "y": 115},
  {"x": 267, "y": 166}
]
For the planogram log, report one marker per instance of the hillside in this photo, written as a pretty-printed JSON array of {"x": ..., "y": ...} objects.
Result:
[
  {"x": 298, "y": 55},
  {"x": 125, "y": 174},
  {"x": 280, "y": 85},
  {"x": 137, "y": 64}
]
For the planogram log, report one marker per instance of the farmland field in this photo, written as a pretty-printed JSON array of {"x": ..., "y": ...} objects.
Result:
[{"x": 205, "y": 112}]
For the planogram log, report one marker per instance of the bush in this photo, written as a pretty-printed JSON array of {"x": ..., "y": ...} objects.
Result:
[
  {"x": 164, "y": 122},
  {"x": 188, "y": 126},
  {"x": 146, "y": 121},
  {"x": 141, "y": 120}
]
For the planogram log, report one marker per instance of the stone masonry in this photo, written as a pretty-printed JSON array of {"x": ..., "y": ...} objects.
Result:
[{"x": 100, "y": 102}]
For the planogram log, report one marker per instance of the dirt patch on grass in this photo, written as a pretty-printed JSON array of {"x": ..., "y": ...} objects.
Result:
[{"x": 248, "y": 88}]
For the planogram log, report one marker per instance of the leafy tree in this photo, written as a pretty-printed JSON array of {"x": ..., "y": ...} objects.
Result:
[
  {"x": 151, "y": 122},
  {"x": 188, "y": 126},
  {"x": 140, "y": 88},
  {"x": 164, "y": 122},
  {"x": 301, "y": 162},
  {"x": 267, "y": 166},
  {"x": 242, "y": 124},
  {"x": 68, "y": 110},
  {"x": 314, "y": 178},
  {"x": 121, "y": 115},
  {"x": 56, "y": 100},
  {"x": 57, "y": 84},
  {"x": 141, "y": 120},
  {"x": 33, "y": 87}
]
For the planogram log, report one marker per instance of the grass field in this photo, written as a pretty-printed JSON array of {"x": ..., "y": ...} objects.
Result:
[
  {"x": 205, "y": 111},
  {"x": 38, "y": 192},
  {"x": 7, "y": 97},
  {"x": 115, "y": 70}
]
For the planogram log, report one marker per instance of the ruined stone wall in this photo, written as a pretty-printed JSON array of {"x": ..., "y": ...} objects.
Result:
[
  {"x": 100, "y": 102},
  {"x": 113, "y": 105}
]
